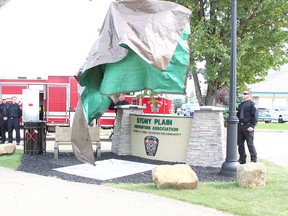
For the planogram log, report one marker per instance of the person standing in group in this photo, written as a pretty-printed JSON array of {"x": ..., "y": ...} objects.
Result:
[
  {"x": 14, "y": 115},
  {"x": 247, "y": 114},
  {"x": 4, "y": 107},
  {"x": 121, "y": 101},
  {"x": 1, "y": 118}
]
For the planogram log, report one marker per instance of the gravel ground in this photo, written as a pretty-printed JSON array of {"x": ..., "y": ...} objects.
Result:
[{"x": 44, "y": 165}]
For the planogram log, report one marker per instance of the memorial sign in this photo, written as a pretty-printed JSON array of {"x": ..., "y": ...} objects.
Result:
[{"x": 160, "y": 137}]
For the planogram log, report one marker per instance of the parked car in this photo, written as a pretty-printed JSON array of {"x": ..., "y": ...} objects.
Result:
[
  {"x": 187, "y": 109},
  {"x": 264, "y": 115},
  {"x": 280, "y": 114}
]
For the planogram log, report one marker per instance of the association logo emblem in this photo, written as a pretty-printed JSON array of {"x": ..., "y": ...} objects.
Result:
[{"x": 151, "y": 145}]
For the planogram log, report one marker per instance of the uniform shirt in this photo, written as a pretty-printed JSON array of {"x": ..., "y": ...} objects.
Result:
[
  {"x": 4, "y": 110},
  {"x": 250, "y": 113},
  {"x": 120, "y": 103},
  {"x": 14, "y": 111}
]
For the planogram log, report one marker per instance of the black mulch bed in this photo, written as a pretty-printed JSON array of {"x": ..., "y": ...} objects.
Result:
[{"x": 44, "y": 165}]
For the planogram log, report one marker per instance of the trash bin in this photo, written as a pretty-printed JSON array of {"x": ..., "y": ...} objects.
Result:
[{"x": 34, "y": 137}]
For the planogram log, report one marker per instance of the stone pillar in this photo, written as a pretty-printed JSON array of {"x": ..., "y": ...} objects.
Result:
[
  {"x": 121, "y": 143},
  {"x": 207, "y": 138}
]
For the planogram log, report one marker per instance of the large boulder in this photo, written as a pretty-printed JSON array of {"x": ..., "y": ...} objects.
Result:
[
  {"x": 251, "y": 175},
  {"x": 179, "y": 176},
  {"x": 7, "y": 148}
]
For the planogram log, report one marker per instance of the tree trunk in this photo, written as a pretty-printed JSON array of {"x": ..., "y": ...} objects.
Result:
[
  {"x": 198, "y": 90},
  {"x": 210, "y": 99}
]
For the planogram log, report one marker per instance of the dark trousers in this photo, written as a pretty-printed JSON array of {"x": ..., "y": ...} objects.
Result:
[
  {"x": 4, "y": 127},
  {"x": 245, "y": 135},
  {"x": 13, "y": 124},
  {"x": 0, "y": 126}
]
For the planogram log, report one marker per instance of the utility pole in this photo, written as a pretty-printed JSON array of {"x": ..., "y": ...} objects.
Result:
[{"x": 230, "y": 164}]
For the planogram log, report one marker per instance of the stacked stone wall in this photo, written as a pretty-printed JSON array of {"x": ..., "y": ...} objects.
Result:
[
  {"x": 206, "y": 145},
  {"x": 121, "y": 143},
  {"x": 207, "y": 138}
]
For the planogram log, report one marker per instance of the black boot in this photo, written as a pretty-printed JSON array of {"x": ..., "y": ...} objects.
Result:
[
  {"x": 242, "y": 159},
  {"x": 253, "y": 159}
]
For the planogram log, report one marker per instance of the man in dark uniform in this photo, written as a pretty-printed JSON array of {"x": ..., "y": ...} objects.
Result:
[
  {"x": 4, "y": 107},
  {"x": 1, "y": 118},
  {"x": 121, "y": 101},
  {"x": 247, "y": 114},
  {"x": 14, "y": 114}
]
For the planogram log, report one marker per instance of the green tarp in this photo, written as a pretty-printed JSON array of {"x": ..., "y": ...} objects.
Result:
[{"x": 132, "y": 73}]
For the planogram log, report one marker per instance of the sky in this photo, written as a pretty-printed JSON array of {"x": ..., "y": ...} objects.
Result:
[
  {"x": 41, "y": 37},
  {"x": 49, "y": 37}
]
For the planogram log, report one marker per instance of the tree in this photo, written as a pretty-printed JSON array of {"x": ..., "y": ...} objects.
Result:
[{"x": 262, "y": 36}]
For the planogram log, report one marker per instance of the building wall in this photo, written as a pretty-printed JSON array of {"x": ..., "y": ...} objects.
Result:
[{"x": 270, "y": 101}]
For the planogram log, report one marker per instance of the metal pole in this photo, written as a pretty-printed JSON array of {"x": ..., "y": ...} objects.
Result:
[{"x": 229, "y": 166}]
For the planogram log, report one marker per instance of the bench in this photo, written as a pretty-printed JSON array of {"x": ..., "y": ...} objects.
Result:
[{"x": 63, "y": 137}]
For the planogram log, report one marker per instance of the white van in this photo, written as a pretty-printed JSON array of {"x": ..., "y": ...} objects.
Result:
[
  {"x": 187, "y": 109},
  {"x": 280, "y": 114}
]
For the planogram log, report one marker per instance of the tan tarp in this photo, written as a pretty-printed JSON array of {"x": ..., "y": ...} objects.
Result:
[
  {"x": 150, "y": 28},
  {"x": 80, "y": 138}
]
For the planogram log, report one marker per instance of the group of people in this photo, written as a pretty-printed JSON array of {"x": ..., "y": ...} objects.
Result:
[
  {"x": 247, "y": 114},
  {"x": 10, "y": 114}
]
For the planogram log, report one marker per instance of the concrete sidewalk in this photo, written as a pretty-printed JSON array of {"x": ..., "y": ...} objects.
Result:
[{"x": 24, "y": 194}]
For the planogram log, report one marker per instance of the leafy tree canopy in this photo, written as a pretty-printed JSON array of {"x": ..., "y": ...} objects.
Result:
[{"x": 262, "y": 36}]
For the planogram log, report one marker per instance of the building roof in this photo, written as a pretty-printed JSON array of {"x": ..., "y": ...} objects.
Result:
[{"x": 275, "y": 82}]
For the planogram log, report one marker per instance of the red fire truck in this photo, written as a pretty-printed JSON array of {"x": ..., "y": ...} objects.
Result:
[
  {"x": 58, "y": 97},
  {"x": 164, "y": 106}
]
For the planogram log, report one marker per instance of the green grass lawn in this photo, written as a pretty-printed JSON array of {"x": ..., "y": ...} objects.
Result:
[
  {"x": 229, "y": 197},
  {"x": 11, "y": 161},
  {"x": 272, "y": 126}
]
